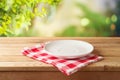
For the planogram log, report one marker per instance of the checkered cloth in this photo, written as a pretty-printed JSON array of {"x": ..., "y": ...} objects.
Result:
[{"x": 66, "y": 66}]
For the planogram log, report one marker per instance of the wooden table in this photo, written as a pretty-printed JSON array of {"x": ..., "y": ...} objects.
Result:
[{"x": 15, "y": 66}]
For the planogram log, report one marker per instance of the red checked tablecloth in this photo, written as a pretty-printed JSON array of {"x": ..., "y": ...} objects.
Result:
[{"x": 64, "y": 65}]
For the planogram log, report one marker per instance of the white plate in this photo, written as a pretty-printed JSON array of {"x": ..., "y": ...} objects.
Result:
[{"x": 68, "y": 49}]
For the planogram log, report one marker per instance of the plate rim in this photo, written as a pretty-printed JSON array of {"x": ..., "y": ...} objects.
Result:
[{"x": 67, "y": 56}]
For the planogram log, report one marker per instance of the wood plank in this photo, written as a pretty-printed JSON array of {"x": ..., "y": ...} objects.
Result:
[
  {"x": 43, "y": 39},
  {"x": 15, "y": 45},
  {"x": 26, "y": 66},
  {"x": 21, "y": 58},
  {"x": 102, "y": 49},
  {"x": 19, "y": 62},
  {"x": 12, "y": 59},
  {"x": 15, "y": 58},
  {"x": 48, "y": 75}
]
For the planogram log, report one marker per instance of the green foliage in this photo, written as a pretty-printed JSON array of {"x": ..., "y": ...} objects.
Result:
[
  {"x": 97, "y": 25},
  {"x": 16, "y": 15},
  {"x": 92, "y": 24},
  {"x": 69, "y": 31}
]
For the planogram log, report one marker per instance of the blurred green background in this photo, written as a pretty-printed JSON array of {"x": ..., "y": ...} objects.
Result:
[{"x": 50, "y": 18}]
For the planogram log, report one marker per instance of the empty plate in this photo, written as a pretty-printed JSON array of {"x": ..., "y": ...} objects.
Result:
[{"x": 68, "y": 49}]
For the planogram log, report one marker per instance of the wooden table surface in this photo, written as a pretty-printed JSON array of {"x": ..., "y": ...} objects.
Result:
[{"x": 11, "y": 58}]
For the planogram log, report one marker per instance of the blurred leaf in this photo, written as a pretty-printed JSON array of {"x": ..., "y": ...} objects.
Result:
[
  {"x": 69, "y": 31},
  {"x": 99, "y": 23},
  {"x": 16, "y": 15}
]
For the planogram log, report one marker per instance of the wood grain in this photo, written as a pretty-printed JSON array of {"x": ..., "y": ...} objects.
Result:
[
  {"x": 10, "y": 50},
  {"x": 48, "y": 75},
  {"x": 13, "y": 63}
]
